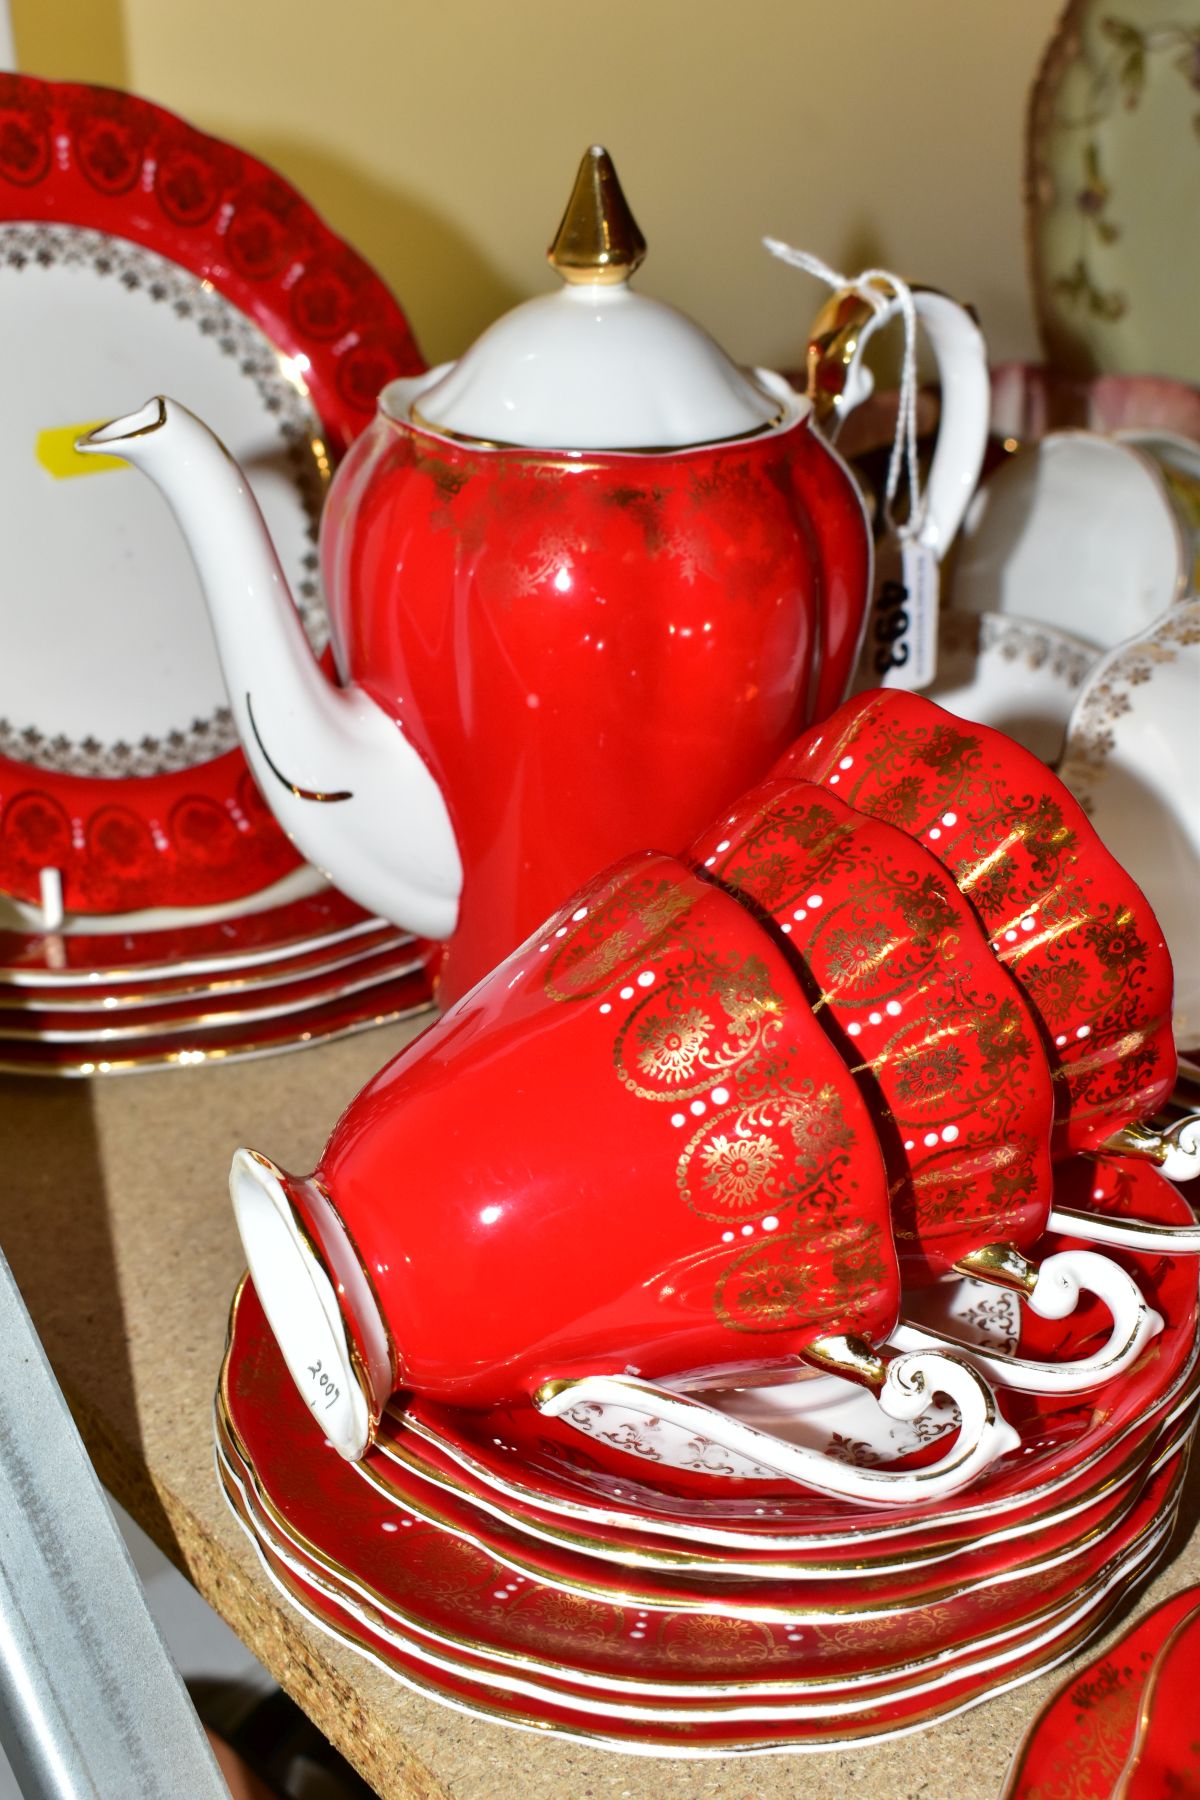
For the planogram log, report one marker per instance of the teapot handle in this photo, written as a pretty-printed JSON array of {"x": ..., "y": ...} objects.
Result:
[
  {"x": 961, "y": 354},
  {"x": 675, "y": 1431}
]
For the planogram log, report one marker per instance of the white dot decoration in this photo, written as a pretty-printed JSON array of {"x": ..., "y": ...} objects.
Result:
[
  {"x": 1097, "y": 1193},
  {"x": 646, "y": 978},
  {"x": 1061, "y": 1039},
  {"x": 1010, "y": 937},
  {"x": 747, "y": 1231},
  {"x": 799, "y": 915},
  {"x": 727, "y": 1237},
  {"x": 1084, "y": 1031},
  {"x": 813, "y": 900},
  {"x": 875, "y": 1018},
  {"x": 698, "y": 1107},
  {"x": 627, "y": 993},
  {"x": 949, "y": 818},
  {"x": 606, "y": 1006},
  {"x": 499, "y": 1594},
  {"x": 910, "y": 1143},
  {"x": 847, "y": 762},
  {"x": 930, "y": 1139},
  {"x": 678, "y": 1119},
  {"x": 722, "y": 846},
  {"x": 854, "y": 1028},
  {"x": 720, "y": 1096},
  {"x": 786, "y": 930},
  {"x": 894, "y": 1008},
  {"x": 390, "y": 1525},
  {"x": 770, "y": 1223},
  {"x": 542, "y": 949},
  {"x": 561, "y": 932},
  {"x": 1028, "y": 924},
  {"x": 935, "y": 832},
  {"x": 833, "y": 780},
  {"x": 949, "y": 1134},
  {"x": 579, "y": 913},
  {"x": 709, "y": 861}
]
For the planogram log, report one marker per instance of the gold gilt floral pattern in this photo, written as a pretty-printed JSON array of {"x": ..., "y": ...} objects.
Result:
[
  {"x": 736, "y": 1169},
  {"x": 935, "y": 1033},
  {"x": 621, "y": 923},
  {"x": 1061, "y": 914},
  {"x": 711, "y": 1037},
  {"x": 670, "y": 1045},
  {"x": 700, "y": 1020}
]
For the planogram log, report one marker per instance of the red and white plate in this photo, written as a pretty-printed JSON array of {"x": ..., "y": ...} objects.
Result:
[
  {"x": 662, "y": 1667},
  {"x": 137, "y": 254}
]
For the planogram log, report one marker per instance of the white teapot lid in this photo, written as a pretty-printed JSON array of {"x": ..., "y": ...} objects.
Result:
[{"x": 596, "y": 366}]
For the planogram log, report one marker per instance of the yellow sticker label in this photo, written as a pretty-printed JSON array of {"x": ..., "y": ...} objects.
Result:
[{"x": 55, "y": 450}]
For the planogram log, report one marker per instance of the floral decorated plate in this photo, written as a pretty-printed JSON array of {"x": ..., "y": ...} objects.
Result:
[
  {"x": 1112, "y": 183},
  {"x": 1016, "y": 675},
  {"x": 136, "y": 251},
  {"x": 450, "y": 1610},
  {"x": 1133, "y": 763},
  {"x": 439, "y": 1585},
  {"x": 1079, "y": 1742},
  {"x": 510, "y": 1697},
  {"x": 1164, "y": 1758},
  {"x": 819, "y": 1713}
]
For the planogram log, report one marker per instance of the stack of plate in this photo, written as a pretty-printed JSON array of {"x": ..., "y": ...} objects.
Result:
[
  {"x": 495, "y": 1563},
  {"x": 151, "y": 910},
  {"x": 151, "y": 992}
]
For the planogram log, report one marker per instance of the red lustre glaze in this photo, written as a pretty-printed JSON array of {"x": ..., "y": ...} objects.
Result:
[
  {"x": 435, "y": 1584},
  {"x": 1164, "y": 1760},
  {"x": 109, "y": 162},
  {"x": 936, "y": 1033},
  {"x": 1080, "y": 1743},
  {"x": 1061, "y": 914},
  {"x": 630, "y": 1147},
  {"x": 593, "y": 652}
]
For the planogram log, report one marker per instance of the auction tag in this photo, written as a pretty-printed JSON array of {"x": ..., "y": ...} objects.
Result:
[{"x": 900, "y": 648}]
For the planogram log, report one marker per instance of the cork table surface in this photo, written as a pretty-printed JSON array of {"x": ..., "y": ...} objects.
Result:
[{"x": 115, "y": 1219}]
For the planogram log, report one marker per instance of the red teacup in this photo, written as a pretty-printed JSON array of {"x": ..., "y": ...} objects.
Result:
[
  {"x": 630, "y": 1148},
  {"x": 1061, "y": 913},
  {"x": 936, "y": 1032}
]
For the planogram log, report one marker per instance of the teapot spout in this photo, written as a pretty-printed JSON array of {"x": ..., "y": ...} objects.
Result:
[{"x": 346, "y": 785}]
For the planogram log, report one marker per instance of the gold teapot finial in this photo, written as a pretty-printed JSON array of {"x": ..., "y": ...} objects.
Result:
[{"x": 598, "y": 240}]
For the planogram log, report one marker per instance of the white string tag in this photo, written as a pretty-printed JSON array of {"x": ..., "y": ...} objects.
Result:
[
  {"x": 900, "y": 642},
  {"x": 900, "y": 645}
]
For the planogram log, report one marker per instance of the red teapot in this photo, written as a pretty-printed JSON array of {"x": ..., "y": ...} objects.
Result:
[{"x": 585, "y": 585}]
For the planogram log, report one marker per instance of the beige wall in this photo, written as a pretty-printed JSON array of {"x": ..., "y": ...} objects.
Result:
[{"x": 442, "y": 138}]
